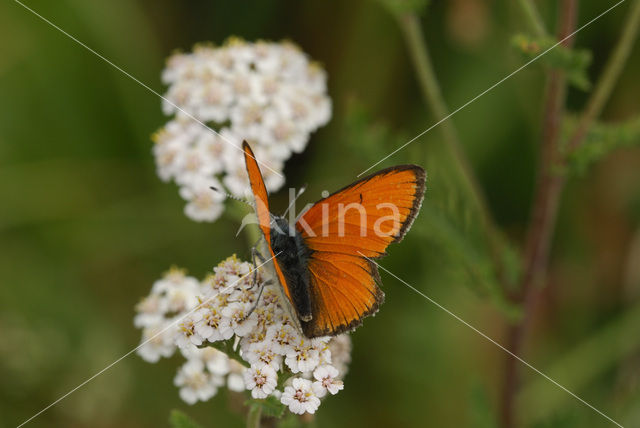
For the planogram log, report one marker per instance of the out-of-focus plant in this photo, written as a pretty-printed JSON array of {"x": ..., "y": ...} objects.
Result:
[
  {"x": 569, "y": 144},
  {"x": 269, "y": 94},
  {"x": 574, "y": 62},
  {"x": 602, "y": 139}
]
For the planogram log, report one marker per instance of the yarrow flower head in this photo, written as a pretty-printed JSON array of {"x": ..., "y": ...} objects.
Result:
[
  {"x": 300, "y": 397},
  {"x": 241, "y": 307},
  {"x": 270, "y": 94}
]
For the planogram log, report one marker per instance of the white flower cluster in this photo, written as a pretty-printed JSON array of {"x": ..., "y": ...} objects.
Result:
[
  {"x": 269, "y": 94},
  {"x": 273, "y": 357}
]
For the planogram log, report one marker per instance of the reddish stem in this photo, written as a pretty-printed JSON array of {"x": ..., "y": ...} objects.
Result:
[{"x": 543, "y": 216}]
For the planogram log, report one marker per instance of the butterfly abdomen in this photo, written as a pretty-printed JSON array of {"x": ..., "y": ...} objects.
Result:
[{"x": 292, "y": 255}]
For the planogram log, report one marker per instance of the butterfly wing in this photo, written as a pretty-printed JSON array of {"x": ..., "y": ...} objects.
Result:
[
  {"x": 345, "y": 230},
  {"x": 259, "y": 191}
]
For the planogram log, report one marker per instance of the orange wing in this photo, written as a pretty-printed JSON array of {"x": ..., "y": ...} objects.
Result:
[
  {"x": 343, "y": 231},
  {"x": 262, "y": 207}
]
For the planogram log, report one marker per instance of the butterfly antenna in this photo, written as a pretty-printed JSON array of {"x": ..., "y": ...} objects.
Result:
[
  {"x": 235, "y": 198},
  {"x": 300, "y": 192}
]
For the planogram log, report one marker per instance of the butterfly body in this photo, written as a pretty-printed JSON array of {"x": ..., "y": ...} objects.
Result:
[
  {"x": 324, "y": 261},
  {"x": 292, "y": 255}
]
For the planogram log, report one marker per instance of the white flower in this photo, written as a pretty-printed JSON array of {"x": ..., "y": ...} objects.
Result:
[
  {"x": 340, "y": 350},
  {"x": 261, "y": 379},
  {"x": 210, "y": 324},
  {"x": 270, "y": 94},
  {"x": 239, "y": 319},
  {"x": 300, "y": 397},
  {"x": 216, "y": 361},
  {"x": 326, "y": 380},
  {"x": 157, "y": 341},
  {"x": 194, "y": 383},
  {"x": 150, "y": 310},
  {"x": 184, "y": 313},
  {"x": 262, "y": 352},
  {"x": 302, "y": 356},
  {"x": 205, "y": 204},
  {"x": 187, "y": 336},
  {"x": 235, "y": 380},
  {"x": 282, "y": 336}
]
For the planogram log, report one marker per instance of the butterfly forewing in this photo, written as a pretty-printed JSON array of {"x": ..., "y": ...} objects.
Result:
[
  {"x": 262, "y": 208},
  {"x": 346, "y": 228}
]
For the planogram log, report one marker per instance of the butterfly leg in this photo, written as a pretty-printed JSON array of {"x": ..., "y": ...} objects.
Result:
[{"x": 256, "y": 254}]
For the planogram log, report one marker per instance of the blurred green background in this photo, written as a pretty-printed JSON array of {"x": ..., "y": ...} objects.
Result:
[{"x": 86, "y": 226}]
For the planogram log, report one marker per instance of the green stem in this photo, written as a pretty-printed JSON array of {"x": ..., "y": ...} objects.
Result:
[
  {"x": 253, "y": 418},
  {"x": 609, "y": 76},
  {"x": 531, "y": 13},
  {"x": 412, "y": 31}
]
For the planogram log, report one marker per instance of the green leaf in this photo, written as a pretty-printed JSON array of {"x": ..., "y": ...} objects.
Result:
[
  {"x": 271, "y": 406},
  {"x": 573, "y": 61},
  {"x": 600, "y": 140},
  {"x": 178, "y": 419}
]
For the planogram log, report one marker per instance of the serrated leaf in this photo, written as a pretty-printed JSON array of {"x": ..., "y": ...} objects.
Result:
[
  {"x": 601, "y": 140},
  {"x": 271, "y": 406},
  {"x": 573, "y": 61},
  {"x": 178, "y": 419}
]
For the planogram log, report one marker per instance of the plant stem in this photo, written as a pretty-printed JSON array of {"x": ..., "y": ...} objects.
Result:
[
  {"x": 253, "y": 418},
  {"x": 543, "y": 216},
  {"x": 412, "y": 31},
  {"x": 531, "y": 13},
  {"x": 551, "y": 184}
]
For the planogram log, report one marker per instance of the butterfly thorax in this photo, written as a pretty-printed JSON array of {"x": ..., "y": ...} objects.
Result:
[{"x": 293, "y": 255}]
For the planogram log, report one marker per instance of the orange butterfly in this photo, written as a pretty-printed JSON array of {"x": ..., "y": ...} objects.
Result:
[{"x": 323, "y": 261}]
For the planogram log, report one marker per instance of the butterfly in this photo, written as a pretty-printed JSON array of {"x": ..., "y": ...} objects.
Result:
[{"x": 324, "y": 261}]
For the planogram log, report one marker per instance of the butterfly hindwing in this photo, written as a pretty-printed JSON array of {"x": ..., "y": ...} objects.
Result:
[
  {"x": 343, "y": 290},
  {"x": 343, "y": 237}
]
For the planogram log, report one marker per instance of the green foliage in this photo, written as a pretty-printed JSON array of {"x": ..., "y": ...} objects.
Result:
[
  {"x": 601, "y": 140},
  {"x": 270, "y": 406},
  {"x": 560, "y": 420},
  {"x": 482, "y": 414},
  {"x": 573, "y": 61},
  {"x": 368, "y": 138},
  {"x": 400, "y": 7},
  {"x": 474, "y": 267},
  {"x": 581, "y": 366},
  {"x": 179, "y": 419},
  {"x": 291, "y": 421}
]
